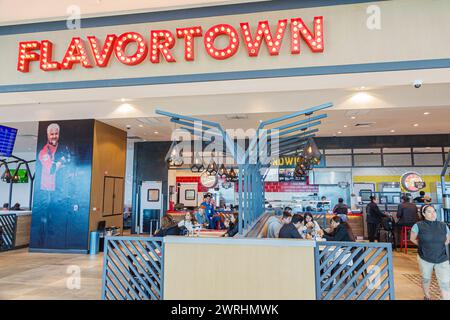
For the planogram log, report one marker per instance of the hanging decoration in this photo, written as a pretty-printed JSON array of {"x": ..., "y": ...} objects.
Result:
[
  {"x": 198, "y": 164},
  {"x": 223, "y": 173}
]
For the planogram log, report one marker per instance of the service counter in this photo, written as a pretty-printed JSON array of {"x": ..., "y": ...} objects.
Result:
[{"x": 16, "y": 227}]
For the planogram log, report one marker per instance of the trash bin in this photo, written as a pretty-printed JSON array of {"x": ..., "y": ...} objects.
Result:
[{"x": 94, "y": 242}]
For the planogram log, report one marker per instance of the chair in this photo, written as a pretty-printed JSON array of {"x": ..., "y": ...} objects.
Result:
[{"x": 404, "y": 238}]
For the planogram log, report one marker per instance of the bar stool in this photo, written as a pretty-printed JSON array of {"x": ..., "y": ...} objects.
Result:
[{"x": 404, "y": 238}]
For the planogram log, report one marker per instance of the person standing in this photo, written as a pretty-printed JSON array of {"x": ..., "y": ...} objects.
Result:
[
  {"x": 374, "y": 216},
  {"x": 432, "y": 237},
  {"x": 341, "y": 210},
  {"x": 420, "y": 198}
]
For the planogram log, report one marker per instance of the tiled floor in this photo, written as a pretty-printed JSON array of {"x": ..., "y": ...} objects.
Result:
[{"x": 25, "y": 275}]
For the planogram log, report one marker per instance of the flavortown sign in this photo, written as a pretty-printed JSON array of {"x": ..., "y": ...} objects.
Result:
[{"x": 132, "y": 48}]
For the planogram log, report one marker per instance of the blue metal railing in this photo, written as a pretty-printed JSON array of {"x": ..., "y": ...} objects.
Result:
[
  {"x": 354, "y": 271},
  {"x": 133, "y": 268},
  {"x": 8, "y": 227}
]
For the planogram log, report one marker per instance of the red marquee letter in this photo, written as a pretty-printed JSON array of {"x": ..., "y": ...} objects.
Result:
[
  {"x": 101, "y": 57},
  {"x": 46, "y": 57},
  {"x": 76, "y": 53},
  {"x": 162, "y": 41},
  {"x": 298, "y": 29},
  {"x": 121, "y": 44},
  {"x": 213, "y": 33},
  {"x": 188, "y": 34},
  {"x": 263, "y": 31},
  {"x": 26, "y": 55}
]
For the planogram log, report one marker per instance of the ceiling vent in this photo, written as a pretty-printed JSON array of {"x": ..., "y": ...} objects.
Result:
[
  {"x": 364, "y": 124},
  {"x": 134, "y": 138},
  {"x": 237, "y": 116}
]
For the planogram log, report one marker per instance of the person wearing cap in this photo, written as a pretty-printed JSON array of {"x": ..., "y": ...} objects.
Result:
[
  {"x": 432, "y": 237},
  {"x": 210, "y": 211}
]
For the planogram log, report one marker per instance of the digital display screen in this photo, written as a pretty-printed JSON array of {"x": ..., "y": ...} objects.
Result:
[{"x": 7, "y": 140}]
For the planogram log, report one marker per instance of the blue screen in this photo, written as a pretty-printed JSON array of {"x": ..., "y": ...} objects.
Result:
[{"x": 7, "y": 140}]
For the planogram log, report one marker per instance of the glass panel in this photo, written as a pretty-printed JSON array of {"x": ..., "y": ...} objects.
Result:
[
  {"x": 428, "y": 160},
  {"x": 367, "y": 160},
  {"x": 366, "y": 151},
  {"x": 397, "y": 159},
  {"x": 338, "y": 161},
  {"x": 428, "y": 149},
  {"x": 396, "y": 150},
  {"x": 338, "y": 151}
]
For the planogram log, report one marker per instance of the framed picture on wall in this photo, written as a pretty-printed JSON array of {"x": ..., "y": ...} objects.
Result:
[
  {"x": 153, "y": 195},
  {"x": 189, "y": 194}
]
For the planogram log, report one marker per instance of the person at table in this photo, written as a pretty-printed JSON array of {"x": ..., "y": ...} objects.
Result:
[
  {"x": 420, "y": 199},
  {"x": 407, "y": 216},
  {"x": 168, "y": 227},
  {"x": 232, "y": 225},
  {"x": 289, "y": 230},
  {"x": 201, "y": 217},
  {"x": 340, "y": 231},
  {"x": 341, "y": 209},
  {"x": 274, "y": 224},
  {"x": 432, "y": 237},
  {"x": 187, "y": 224},
  {"x": 374, "y": 217},
  {"x": 309, "y": 227},
  {"x": 5, "y": 207}
]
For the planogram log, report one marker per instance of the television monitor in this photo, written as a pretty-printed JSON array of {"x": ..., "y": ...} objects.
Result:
[{"x": 7, "y": 140}]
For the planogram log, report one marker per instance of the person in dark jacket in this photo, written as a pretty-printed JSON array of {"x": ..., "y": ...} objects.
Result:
[
  {"x": 374, "y": 216},
  {"x": 341, "y": 231},
  {"x": 406, "y": 215},
  {"x": 432, "y": 237},
  {"x": 168, "y": 227},
  {"x": 289, "y": 230},
  {"x": 232, "y": 225}
]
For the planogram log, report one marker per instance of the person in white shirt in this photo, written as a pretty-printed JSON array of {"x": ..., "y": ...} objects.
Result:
[
  {"x": 188, "y": 222},
  {"x": 309, "y": 226}
]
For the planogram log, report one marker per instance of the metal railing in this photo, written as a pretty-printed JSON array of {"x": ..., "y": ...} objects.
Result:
[
  {"x": 354, "y": 271},
  {"x": 8, "y": 226},
  {"x": 133, "y": 268}
]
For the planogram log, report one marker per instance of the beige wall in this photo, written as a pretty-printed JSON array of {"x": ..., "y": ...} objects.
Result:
[
  {"x": 238, "y": 269},
  {"x": 410, "y": 30},
  {"x": 109, "y": 156}
]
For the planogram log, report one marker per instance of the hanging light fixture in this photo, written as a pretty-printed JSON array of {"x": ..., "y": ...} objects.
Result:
[
  {"x": 212, "y": 168},
  {"x": 223, "y": 173},
  {"x": 312, "y": 153},
  {"x": 198, "y": 164},
  {"x": 173, "y": 156},
  {"x": 6, "y": 176},
  {"x": 232, "y": 176}
]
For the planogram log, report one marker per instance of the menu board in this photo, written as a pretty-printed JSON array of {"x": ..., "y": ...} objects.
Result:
[
  {"x": 287, "y": 174},
  {"x": 7, "y": 140}
]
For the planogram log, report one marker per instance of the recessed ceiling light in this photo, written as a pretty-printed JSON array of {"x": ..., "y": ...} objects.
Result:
[
  {"x": 156, "y": 132},
  {"x": 426, "y": 113},
  {"x": 123, "y": 100},
  {"x": 353, "y": 117},
  {"x": 345, "y": 126},
  {"x": 392, "y": 131},
  {"x": 416, "y": 124},
  {"x": 141, "y": 126},
  {"x": 362, "y": 88},
  {"x": 339, "y": 132}
]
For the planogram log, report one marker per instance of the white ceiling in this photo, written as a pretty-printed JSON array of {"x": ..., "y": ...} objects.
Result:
[{"x": 15, "y": 12}]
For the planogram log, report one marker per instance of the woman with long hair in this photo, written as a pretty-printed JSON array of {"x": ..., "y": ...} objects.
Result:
[{"x": 341, "y": 231}]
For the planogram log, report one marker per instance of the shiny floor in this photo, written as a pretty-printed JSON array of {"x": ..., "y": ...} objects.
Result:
[{"x": 25, "y": 275}]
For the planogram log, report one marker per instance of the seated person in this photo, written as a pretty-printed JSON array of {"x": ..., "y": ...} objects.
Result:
[
  {"x": 16, "y": 207},
  {"x": 274, "y": 225},
  {"x": 340, "y": 231},
  {"x": 289, "y": 230},
  {"x": 420, "y": 198},
  {"x": 309, "y": 227},
  {"x": 210, "y": 211},
  {"x": 187, "y": 223},
  {"x": 201, "y": 218},
  {"x": 232, "y": 225},
  {"x": 168, "y": 227},
  {"x": 5, "y": 207}
]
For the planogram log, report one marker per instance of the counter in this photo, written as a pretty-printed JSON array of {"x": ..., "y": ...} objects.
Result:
[{"x": 16, "y": 228}]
